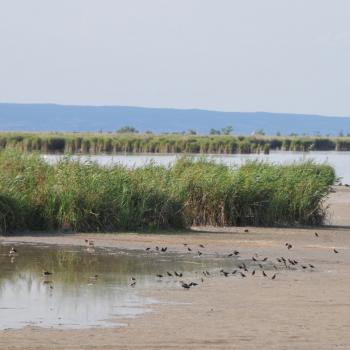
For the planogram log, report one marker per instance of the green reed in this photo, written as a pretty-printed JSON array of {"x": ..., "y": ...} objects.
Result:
[{"x": 71, "y": 195}]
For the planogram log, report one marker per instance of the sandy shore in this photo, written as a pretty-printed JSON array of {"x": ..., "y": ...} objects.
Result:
[{"x": 298, "y": 310}]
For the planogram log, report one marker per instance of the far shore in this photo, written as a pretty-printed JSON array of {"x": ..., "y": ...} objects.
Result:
[{"x": 299, "y": 310}]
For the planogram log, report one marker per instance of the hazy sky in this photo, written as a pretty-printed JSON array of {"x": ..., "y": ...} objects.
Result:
[{"x": 237, "y": 55}]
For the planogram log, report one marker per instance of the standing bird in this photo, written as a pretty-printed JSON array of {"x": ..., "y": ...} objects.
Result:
[
  {"x": 273, "y": 277},
  {"x": 199, "y": 253},
  {"x": 316, "y": 234},
  {"x": 201, "y": 246},
  {"x": 335, "y": 251},
  {"x": 264, "y": 274},
  {"x": 189, "y": 249},
  {"x": 13, "y": 251}
]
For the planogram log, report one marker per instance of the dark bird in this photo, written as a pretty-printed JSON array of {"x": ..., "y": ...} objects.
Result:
[
  {"x": 335, "y": 251},
  {"x": 202, "y": 279},
  {"x": 254, "y": 258},
  {"x": 160, "y": 276},
  {"x": 199, "y": 253},
  {"x": 47, "y": 273},
  {"x": 185, "y": 244},
  {"x": 316, "y": 234},
  {"x": 273, "y": 277},
  {"x": 312, "y": 266},
  {"x": 133, "y": 284},
  {"x": 264, "y": 274},
  {"x": 236, "y": 252},
  {"x": 178, "y": 274},
  {"x": 207, "y": 272},
  {"x": 169, "y": 274},
  {"x": 260, "y": 266},
  {"x": 289, "y": 246},
  {"x": 164, "y": 249},
  {"x": 147, "y": 249},
  {"x": 304, "y": 267},
  {"x": 279, "y": 260},
  {"x": 231, "y": 254},
  {"x": 185, "y": 285},
  {"x": 234, "y": 272},
  {"x": 246, "y": 230},
  {"x": 193, "y": 284},
  {"x": 243, "y": 275},
  {"x": 133, "y": 279},
  {"x": 201, "y": 246},
  {"x": 253, "y": 272},
  {"x": 189, "y": 249},
  {"x": 224, "y": 273},
  {"x": 157, "y": 248},
  {"x": 265, "y": 259}
]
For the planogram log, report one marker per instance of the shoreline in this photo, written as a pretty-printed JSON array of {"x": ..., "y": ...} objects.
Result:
[{"x": 299, "y": 310}]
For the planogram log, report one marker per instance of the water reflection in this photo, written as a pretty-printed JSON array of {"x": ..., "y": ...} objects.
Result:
[{"x": 85, "y": 289}]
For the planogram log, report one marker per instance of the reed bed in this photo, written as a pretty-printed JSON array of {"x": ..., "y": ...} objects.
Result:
[
  {"x": 71, "y": 195},
  {"x": 76, "y": 143}
]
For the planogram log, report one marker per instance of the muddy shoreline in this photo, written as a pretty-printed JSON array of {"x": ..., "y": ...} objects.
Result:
[{"x": 298, "y": 310}]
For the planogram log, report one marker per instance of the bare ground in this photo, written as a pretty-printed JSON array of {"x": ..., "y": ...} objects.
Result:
[{"x": 298, "y": 310}]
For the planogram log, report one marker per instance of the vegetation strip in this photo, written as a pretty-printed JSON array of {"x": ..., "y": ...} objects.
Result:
[
  {"x": 88, "y": 197},
  {"x": 75, "y": 143}
]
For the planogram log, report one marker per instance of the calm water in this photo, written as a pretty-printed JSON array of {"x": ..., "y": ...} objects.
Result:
[
  {"x": 339, "y": 160},
  {"x": 74, "y": 297}
]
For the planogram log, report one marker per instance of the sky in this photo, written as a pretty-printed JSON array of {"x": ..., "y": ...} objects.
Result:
[{"x": 230, "y": 55}]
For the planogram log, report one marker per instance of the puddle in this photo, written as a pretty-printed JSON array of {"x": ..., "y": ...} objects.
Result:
[{"x": 86, "y": 289}]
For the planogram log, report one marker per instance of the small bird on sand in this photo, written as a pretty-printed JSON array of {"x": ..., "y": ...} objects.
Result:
[
  {"x": 335, "y": 251},
  {"x": 236, "y": 252},
  {"x": 178, "y": 274},
  {"x": 157, "y": 248},
  {"x": 160, "y": 276},
  {"x": 193, "y": 284},
  {"x": 225, "y": 273},
  {"x": 253, "y": 272},
  {"x": 265, "y": 259},
  {"x": 133, "y": 284},
  {"x": 147, "y": 249},
  {"x": 312, "y": 266},
  {"x": 230, "y": 255},
  {"x": 243, "y": 275},
  {"x": 246, "y": 230},
  {"x": 47, "y": 273},
  {"x": 189, "y": 249},
  {"x": 273, "y": 277},
  {"x": 133, "y": 279},
  {"x": 264, "y": 274},
  {"x": 303, "y": 267},
  {"x": 316, "y": 234},
  {"x": 199, "y": 253},
  {"x": 164, "y": 249},
  {"x": 254, "y": 258},
  {"x": 185, "y": 285},
  {"x": 201, "y": 246},
  {"x": 234, "y": 272},
  {"x": 169, "y": 274}
]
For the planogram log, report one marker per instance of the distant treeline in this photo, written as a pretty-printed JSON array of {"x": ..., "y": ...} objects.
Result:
[{"x": 97, "y": 143}]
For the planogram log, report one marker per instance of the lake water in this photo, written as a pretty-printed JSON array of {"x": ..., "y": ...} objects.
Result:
[
  {"x": 339, "y": 160},
  {"x": 88, "y": 287}
]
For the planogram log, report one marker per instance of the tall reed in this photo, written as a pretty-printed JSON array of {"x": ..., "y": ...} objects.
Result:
[{"x": 88, "y": 197}]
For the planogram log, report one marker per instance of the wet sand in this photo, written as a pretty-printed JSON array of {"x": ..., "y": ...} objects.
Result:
[{"x": 298, "y": 310}]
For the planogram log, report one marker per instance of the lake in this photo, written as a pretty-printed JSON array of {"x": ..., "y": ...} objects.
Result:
[{"x": 339, "y": 160}]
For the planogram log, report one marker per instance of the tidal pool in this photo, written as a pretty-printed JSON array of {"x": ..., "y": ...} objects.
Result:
[{"x": 87, "y": 288}]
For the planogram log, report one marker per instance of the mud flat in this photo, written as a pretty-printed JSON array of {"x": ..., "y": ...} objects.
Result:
[{"x": 300, "y": 309}]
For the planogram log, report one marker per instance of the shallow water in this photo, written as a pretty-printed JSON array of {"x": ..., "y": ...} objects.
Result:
[
  {"x": 87, "y": 289},
  {"x": 339, "y": 160}
]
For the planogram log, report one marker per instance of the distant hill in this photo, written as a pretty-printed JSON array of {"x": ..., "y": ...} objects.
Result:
[{"x": 49, "y": 117}]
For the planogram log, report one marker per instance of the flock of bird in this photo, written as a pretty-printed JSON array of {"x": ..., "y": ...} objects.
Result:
[{"x": 258, "y": 264}]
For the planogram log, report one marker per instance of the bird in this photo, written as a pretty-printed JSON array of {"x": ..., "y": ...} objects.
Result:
[
  {"x": 133, "y": 284},
  {"x": 201, "y": 246},
  {"x": 157, "y": 248},
  {"x": 273, "y": 277},
  {"x": 193, "y": 284},
  {"x": 236, "y": 252},
  {"x": 185, "y": 244},
  {"x": 178, "y": 274},
  {"x": 335, "y": 251},
  {"x": 243, "y": 275},
  {"x": 234, "y": 272},
  {"x": 185, "y": 285},
  {"x": 169, "y": 274},
  {"x": 253, "y": 272},
  {"x": 246, "y": 230},
  {"x": 264, "y": 274},
  {"x": 133, "y": 279},
  {"x": 160, "y": 276},
  {"x": 265, "y": 259},
  {"x": 304, "y": 267},
  {"x": 147, "y": 249},
  {"x": 207, "y": 272},
  {"x": 164, "y": 249},
  {"x": 199, "y": 253},
  {"x": 224, "y": 273},
  {"x": 312, "y": 266},
  {"x": 13, "y": 251},
  {"x": 47, "y": 273},
  {"x": 189, "y": 249},
  {"x": 254, "y": 258},
  {"x": 91, "y": 243},
  {"x": 260, "y": 266},
  {"x": 289, "y": 246},
  {"x": 316, "y": 234},
  {"x": 230, "y": 255}
]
